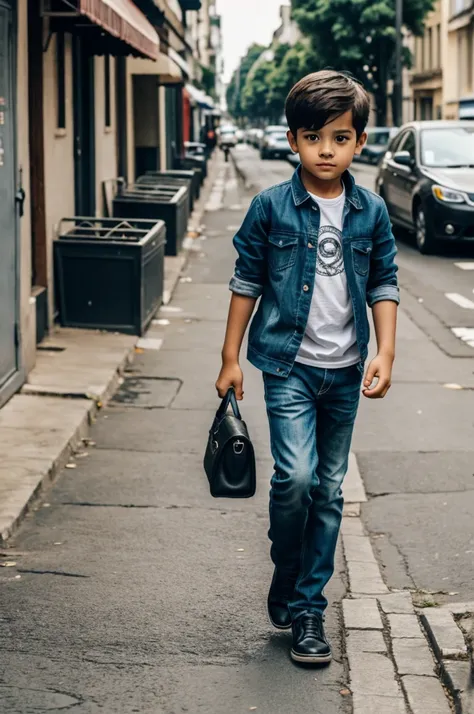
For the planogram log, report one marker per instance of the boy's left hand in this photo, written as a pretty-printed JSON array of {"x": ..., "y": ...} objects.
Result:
[{"x": 381, "y": 369}]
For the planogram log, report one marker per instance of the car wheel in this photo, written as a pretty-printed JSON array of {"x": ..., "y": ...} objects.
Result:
[{"x": 424, "y": 240}]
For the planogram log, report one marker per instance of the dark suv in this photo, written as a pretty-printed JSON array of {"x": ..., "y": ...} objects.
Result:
[{"x": 427, "y": 180}]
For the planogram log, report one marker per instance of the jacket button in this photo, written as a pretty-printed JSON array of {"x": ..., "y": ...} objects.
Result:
[
  {"x": 305, "y": 288},
  {"x": 278, "y": 369}
]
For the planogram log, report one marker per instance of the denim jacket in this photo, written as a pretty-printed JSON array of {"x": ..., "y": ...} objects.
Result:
[{"x": 277, "y": 246}]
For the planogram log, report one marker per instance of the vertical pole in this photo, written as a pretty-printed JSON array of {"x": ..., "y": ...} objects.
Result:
[{"x": 398, "y": 82}]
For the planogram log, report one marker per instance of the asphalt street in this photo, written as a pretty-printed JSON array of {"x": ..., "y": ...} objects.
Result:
[
  {"x": 134, "y": 591},
  {"x": 416, "y": 448}
]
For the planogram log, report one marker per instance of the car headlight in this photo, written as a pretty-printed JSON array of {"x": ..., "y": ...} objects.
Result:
[{"x": 446, "y": 195}]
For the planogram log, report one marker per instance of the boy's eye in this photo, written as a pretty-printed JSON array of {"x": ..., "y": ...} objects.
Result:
[
  {"x": 312, "y": 137},
  {"x": 341, "y": 139}
]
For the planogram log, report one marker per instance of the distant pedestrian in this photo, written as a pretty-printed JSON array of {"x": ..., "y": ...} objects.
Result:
[{"x": 315, "y": 249}]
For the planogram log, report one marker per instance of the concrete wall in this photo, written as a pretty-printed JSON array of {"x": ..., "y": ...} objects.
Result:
[
  {"x": 27, "y": 306},
  {"x": 105, "y": 137},
  {"x": 59, "y": 153}
]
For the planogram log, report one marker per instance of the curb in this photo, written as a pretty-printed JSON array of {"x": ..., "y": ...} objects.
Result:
[
  {"x": 20, "y": 503},
  {"x": 248, "y": 185},
  {"x": 397, "y": 673}
]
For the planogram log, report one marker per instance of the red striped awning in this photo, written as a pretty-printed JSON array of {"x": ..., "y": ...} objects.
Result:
[{"x": 122, "y": 19}]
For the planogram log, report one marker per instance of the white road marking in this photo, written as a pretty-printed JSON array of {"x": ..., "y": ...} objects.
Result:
[
  {"x": 460, "y": 300},
  {"x": 465, "y": 266},
  {"x": 466, "y": 334}
]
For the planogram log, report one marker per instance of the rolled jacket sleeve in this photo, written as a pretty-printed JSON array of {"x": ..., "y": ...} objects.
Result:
[
  {"x": 382, "y": 283},
  {"x": 251, "y": 244}
]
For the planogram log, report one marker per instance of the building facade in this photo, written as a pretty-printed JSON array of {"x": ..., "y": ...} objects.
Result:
[{"x": 90, "y": 90}]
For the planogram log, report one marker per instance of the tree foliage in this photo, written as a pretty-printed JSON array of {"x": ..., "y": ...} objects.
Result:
[
  {"x": 239, "y": 77},
  {"x": 359, "y": 36}
]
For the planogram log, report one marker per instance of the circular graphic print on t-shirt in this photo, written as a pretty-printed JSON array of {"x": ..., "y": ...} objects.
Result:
[{"x": 329, "y": 261}]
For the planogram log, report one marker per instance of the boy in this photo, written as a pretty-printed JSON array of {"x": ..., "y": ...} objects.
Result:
[{"x": 315, "y": 249}]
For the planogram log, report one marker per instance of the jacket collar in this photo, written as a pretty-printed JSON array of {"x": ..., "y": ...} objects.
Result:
[{"x": 300, "y": 194}]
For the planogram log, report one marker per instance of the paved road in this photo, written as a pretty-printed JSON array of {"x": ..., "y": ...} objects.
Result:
[{"x": 416, "y": 448}]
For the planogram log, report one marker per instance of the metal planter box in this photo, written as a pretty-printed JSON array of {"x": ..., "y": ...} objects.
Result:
[
  {"x": 193, "y": 175},
  {"x": 109, "y": 273},
  {"x": 156, "y": 203},
  {"x": 188, "y": 162},
  {"x": 158, "y": 181}
]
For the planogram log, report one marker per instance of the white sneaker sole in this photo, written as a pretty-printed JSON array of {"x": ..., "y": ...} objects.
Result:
[{"x": 311, "y": 659}]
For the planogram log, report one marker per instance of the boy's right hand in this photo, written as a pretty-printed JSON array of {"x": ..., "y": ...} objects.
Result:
[{"x": 230, "y": 375}]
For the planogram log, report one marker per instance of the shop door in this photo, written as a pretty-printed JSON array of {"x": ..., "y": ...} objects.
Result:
[{"x": 8, "y": 208}]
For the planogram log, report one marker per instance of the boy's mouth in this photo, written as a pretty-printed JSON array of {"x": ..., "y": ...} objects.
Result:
[{"x": 326, "y": 166}]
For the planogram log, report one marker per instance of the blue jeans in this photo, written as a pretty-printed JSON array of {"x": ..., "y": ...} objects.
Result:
[{"x": 311, "y": 415}]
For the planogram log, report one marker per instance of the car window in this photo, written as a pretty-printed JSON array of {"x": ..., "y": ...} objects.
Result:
[
  {"x": 409, "y": 144},
  {"x": 378, "y": 138},
  {"x": 452, "y": 146},
  {"x": 396, "y": 141}
]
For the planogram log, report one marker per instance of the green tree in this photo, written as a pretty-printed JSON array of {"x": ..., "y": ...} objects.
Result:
[
  {"x": 295, "y": 64},
  {"x": 359, "y": 36},
  {"x": 237, "y": 82},
  {"x": 255, "y": 92}
]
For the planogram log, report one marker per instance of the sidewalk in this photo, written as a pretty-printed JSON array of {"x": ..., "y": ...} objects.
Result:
[{"x": 76, "y": 372}]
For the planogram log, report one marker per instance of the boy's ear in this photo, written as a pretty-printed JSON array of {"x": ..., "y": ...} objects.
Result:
[
  {"x": 292, "y": 141},
  {"x": 361, "y": 143}
]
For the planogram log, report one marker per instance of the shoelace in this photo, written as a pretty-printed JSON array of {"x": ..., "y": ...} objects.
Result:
[{"x": 313, "y": 626}]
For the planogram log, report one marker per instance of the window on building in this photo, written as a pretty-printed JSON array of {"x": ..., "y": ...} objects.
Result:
[
  {"x": 431, "y": 49},
  {"x": 438, "y": 45},
  {"x": 107, "y": 88},
  {"x": 422, "y": 51},
  {"x": 61, "y": 81}
]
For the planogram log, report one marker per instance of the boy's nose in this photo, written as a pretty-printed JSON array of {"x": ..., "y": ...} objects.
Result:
[{"x": 326, "y": 151}]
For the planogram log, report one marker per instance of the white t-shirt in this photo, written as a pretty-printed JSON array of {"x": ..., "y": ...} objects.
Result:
[{"x": 330, "y": 338}]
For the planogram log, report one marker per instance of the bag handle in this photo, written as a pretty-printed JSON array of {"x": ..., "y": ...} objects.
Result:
[{"x": 231, "y": 399}]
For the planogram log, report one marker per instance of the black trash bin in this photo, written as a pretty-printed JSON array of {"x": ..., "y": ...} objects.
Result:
[
  {"x": 193, "y": 175},
  {"x": 189, "y": 161},
  {"x": 158, "y": 180},
  {"x": 109, "y": 272},
  {"x": 156, "y": 202}
]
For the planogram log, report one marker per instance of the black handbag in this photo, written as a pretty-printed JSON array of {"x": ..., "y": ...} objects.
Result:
[{"x": 229, "y": 461}]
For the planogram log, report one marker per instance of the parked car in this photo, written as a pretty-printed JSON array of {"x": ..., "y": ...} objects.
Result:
[
  {"x": 274, "y": 142},
  {"x": 427, "y": 180},
  {"x": 378, "y": 139},
  {"x": 228, "y": 136}
]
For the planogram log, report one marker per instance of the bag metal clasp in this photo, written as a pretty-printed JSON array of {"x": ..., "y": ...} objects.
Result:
[{"x": 238, "y": 447}]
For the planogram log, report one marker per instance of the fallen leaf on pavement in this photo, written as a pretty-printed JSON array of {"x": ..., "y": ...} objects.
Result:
[
  {"x": 345, "y": 692},
  {"x": 240, "y": 550},
  {"x": 8, "y": 564},
  {"x": 452, "y": 386},
  {"x": 71, "y": 466}
]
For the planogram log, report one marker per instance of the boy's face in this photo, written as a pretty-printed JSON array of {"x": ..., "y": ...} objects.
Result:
[{"x": 327, "y": 152}]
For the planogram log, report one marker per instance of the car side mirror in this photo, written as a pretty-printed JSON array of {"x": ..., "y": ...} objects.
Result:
[{"x": 403, "y": 158}]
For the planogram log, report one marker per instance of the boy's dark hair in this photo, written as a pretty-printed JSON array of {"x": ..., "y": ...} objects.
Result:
[{"x": 322, "y": 96}]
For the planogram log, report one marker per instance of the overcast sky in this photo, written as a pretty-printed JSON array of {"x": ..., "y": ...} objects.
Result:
[{"x": 243, "y": 24}]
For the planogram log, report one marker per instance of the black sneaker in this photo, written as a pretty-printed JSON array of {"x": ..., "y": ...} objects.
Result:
[
  {"x": 309, "y": 641},
  {"x": 281, "y": 593}
]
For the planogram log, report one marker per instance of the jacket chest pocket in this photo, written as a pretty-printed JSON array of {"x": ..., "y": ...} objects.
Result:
[
  {"x": 361, "y": 251},
  {"x": 282, "y": 250}
]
